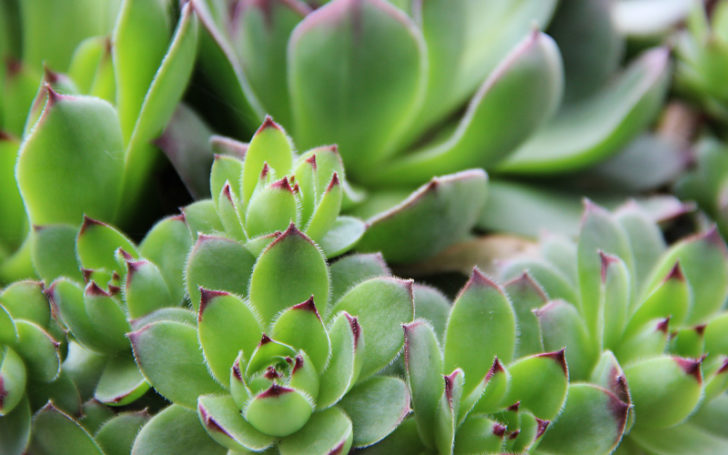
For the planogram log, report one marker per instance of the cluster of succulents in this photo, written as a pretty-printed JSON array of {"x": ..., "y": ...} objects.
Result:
[{"x": 200, "y": 201}]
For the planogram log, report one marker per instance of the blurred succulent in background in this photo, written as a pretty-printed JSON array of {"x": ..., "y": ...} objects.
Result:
[
  {"x": 641, "y": 320},
  {"x": 283, "y": 363},
  {"x": 702, "y": 51},
  {"x": 484, "y": 391},
  {"x": 71, "y": 128}
]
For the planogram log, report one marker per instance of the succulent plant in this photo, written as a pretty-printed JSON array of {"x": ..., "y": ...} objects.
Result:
[
  {"x": 284, "y": 364},
  {"x": 702, "y": 51},
  {"x": 484, "y": 391},
  {"x": 643, "y": 324},
  {"x": 71, "y": 128}
]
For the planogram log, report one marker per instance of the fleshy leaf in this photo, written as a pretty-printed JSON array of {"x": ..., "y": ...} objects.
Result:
[
  {"x": 68, "y": 140},
  {"x": 121, "y": 382},
  {"x": 25, "y": 300},
  {"x": 295, "y": 260},
  {"x": 39, "y": 351},
  {"x": 301, "y": 327},
  {"x": 97, "y": 242},
  {"x": 479, "y": 433},
  {"x": 432, "y": 305},
  {"x": 540, "y": 383},
  {"x": 56, "y": 433},
  {"x": 451, "y": 205},
  {"x": 526, "y": 295},
  {"x": 481, "y": 326},
  {"x": 334, "y": 59},
  {"x": 116, "y": 435},
  {"x": 53, "y": 249},
  {"x": 271, "y": 145},
  {"x": 381, "y": 305},
  {"x": 226, "y": 324},
  {"x": 175, "y": 431},
  {"x": 347, "y": 346},
  {"x": 145, "y": 289},
  {"x": 223, "y": 422},
  {"x": 167, "y": 245},
  {"x": 376, "y": 407},
  {"x": 327, "y": 432},
  {"x": 13, "y": 377},
  {"x": 217, "y": 263},
  {"x": 350, "y": 270},
  {"x": 15, "y": 430},
  {"x": 169, "y": 356}
]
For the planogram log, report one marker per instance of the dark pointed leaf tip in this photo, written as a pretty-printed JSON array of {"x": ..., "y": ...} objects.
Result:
[
  {"x": 5, "y": 136},
  {"x": 525, "y": 280},
  {"x": 590, "y": 207},
  {"x": 338, "y": 449},
  {"x": 514, "y": 434},
  {"x": 691, "y": 367},
  {"x": 53, "y": 96},
  {"x": 606, "y": 261},
  {"x": 125, "y": 254},
  {"x": 700, "y": 329},
  {"x": 618, "y": 409},
  {"x": 334, "y": 182},
  {"x": 88, "y": 222},
  {"x": 449, "y": 384},
  {"x": 237, "y": 373},
  {"x": 723, "y": 368},
  {"x": 274, "y": 391},
  {"x": 133, "y": 267},
  {"x": 271, "y": 373},
  {"x": 298, "y": 365},
  {"x": 210, "y": 422},
  {"x": 307, "y": 305},
  {"x": 268, "y": 123},
  {"x": 179, "y": 217},
  {"x": 542, "y": 425},
  {"x": 227, "y": 191},
  {"x": 49, "y": 76},
  {"x": 675, "y": 273},
  {"x": 94, "y": 290},
  {"x": 86, "y": 274},
  {"x": 265, "y": 171},
  {"x": 515, "y": 406},
  {"x": 499, "y": 430},
  {"x": 265, "y": 339},
  {"x": 558, "y": 356},
  {"x": 206, "y": 296},
  {"x": 663, "y": 325},
  {"x": 496, "y": 368},
  {"x": 478, "y": 278},
  {"x": 355, "y": 328},
  {"x": 3, "y": 392},
  {"x": 114, "y": 290},
  {"x": 291, "y": 231},
  {"x": 282, "y": 184},
  {"x": 312, "y": 161}
]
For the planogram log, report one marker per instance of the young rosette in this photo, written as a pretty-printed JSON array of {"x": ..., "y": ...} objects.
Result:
[
  {"x": 284, "y": 364},
  {"x": 30, "y": 363},
  {"x": 475, "y": 388},
  {"x": 120, "y": 284},
  {"x": 259, "y": 188},
  {"x": 644, "y": 327}
]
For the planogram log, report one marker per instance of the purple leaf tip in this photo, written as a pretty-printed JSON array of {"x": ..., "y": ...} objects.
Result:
[
  {"x": 558, "y": 356},
  {"x": 274, "y": 391},
  {"x": 282, "y": 184},
  {"x": 265, "y": 339},
  {"x": 663, "y": 325},
  {"x": 271, "y": 373},
  {"x": 606, "y": 261},
  {"x": 307, "y": 305},
  {"x": 268, "y": 123},
  {"x": 496, "y": 368},
  {"x": 312, "y": 161},
  {"x": 449, "y": 384},
  {"x": 514, "y": 407},
  {"x": 88, "y": 222},
  {"x": 206, "y": 295},
  {"x": 339, "y": 449},
  {"x": 355, "y": 328},
  {"x": 542, "y": 426},
  {"x": 499, "y": 430},
  {"x": 334, "y": 182},
  {"x": 94, "y": 290},
  {"x": 298, "y": 365},
  {"x": 691, "y": 367},
  {"x": 675, "y": 273}
]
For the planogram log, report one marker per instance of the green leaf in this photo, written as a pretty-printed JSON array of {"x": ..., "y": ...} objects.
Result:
[
  {"x": 679, "y": 391},
  {"x": 12, "y": 211},
  {"x": 202, "y": 218},
  {"x": 145, "y": 289},
  {"x": 540, "y": 383},
  {"x": 438, "y": 214},
  {"x": 295, "y": 260},
  {"x": 587, "y": 132},
  {"x": 347, "y": 347},
  {"x": 353, "y": 269},
  {"x": 25, "y": 300},
  {"x": 327, "y": 432},
  {"x": 260, "y": 38},
  {"x": 116, "y": 435},
  {"x": 614, "y": 299},
  {"x": 376, "y": 407},
  {"x": 39, "y": 351},
  {"x": 301, "y": 327},
  {"x": 167, "y": 245},
  {"x": 592, "y": 421},
  {"x": 15, "y": 430},
  {"x": 226, "y": 324},
  {"x": 327, "y": 210},
  {"x": 669, "y": 298},
  {"x": 56, "y": 433},
  {"x": 84, "y": 367},
  {"x": 645, "y": 240},
  {"x": 342, "y": 236},
  {"x": 121, "y": 382},
  {"x": 404, "y": 440},
  {"x": 526, "y": 295},
  {"x": 97, "y": 243},
  {"x": 76, "y": 136},
  {"x": 13, "y": 377},
  {"x": 448, "y": 413},
  {"x": 381, "y": 306},
  {"x": 270, "y": 144},
  {"x": 423, "y": 363},
  {"x": 217, "y": 263},
  {"x": 432, "y": 305},
  {"x": 492, "y": 126},
  {"x": 169, "y": 356},
  {"x": 9, "y": 333},
  {"x": 279, "y": 411},
  {"x": 105, "y": 312},
  {"x": 335, "y": 61},
  {"x": 481, "y": 326},
  {"x": 562, "y": 326},
  {"x": 175, "y": 431},
  {"x": 53, "y": 249},
  {"x": 479, "y": 433},
  {"x": 271, "y": 209},
  {"x": 223, "y": 423}
]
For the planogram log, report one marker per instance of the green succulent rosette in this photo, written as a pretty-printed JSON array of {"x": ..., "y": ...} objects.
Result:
[
  {"x": 92, "y": 116},
  {"x": 702, "y": 51},
  {"x": 284, "y": 364},
  {"x": 120, "y": 284},
  {"x": 643, "y": 324},
  {"x": 475, "y": 386}
]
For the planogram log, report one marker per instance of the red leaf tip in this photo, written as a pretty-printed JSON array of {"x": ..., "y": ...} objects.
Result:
[
  {"x": 515, "y": 406},
  {"x": 499, "y": 430},
  {"x": 206, "y": 295},
  {"x": 663, "y": 325},
  {"x": 559, "y": 357},
  {"x": 355, "y": 328},
  {"x": 274, "y": 391},
  {"x": 282, "y": 184},
  {"x": 606, "y": 261},
  {"x": 95, "y": 290},
  {"x": 542, "y": 425},
  {"x": 268, "y": 123},
  {"x": 265, "y": 339},
  {"x": 307, "y": 305},
  {"x": 691, "y": 367},
  {"x": 88, "y": 222},
  {"x": 675, "y": 273},
  {"x": 496, "y": 368},
  {"x": 334, "y": 182}
]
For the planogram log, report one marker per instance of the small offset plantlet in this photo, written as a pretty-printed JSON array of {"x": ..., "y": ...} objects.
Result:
[
  {"x": 482, "y": 391},
  {"x": 644, "y": 327},
  {"x": 283, "y": 365}
]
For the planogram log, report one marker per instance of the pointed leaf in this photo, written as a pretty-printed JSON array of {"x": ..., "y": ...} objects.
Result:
[
  {"x": 539, "y": 383},
  {"x": 56, "y": 433},
  {"x": 53, "y": 249},
  {"x": 301, "y": 327},
  {"x": 121, "y": 382},
  {"x": 270, "y": 144},
  {"x": 116, "y": 435},
  {"x": 15, "y": 430},
  {"x": 352, "y": 269},
  {"x": 526, "y": 295},
  {"x": 167, "y": 245},
  {"x": 347, "y": 346},
  {"x": 97, "y": 242},
  {"x": 223, "y": 423},
  {"x": 342, "y": 236},
  {"x": 175, "y": 431},
  {"x": 327, "y": 432},
  {"x": 145, "y": 289},
  {"x": 39, "y": 351}
]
